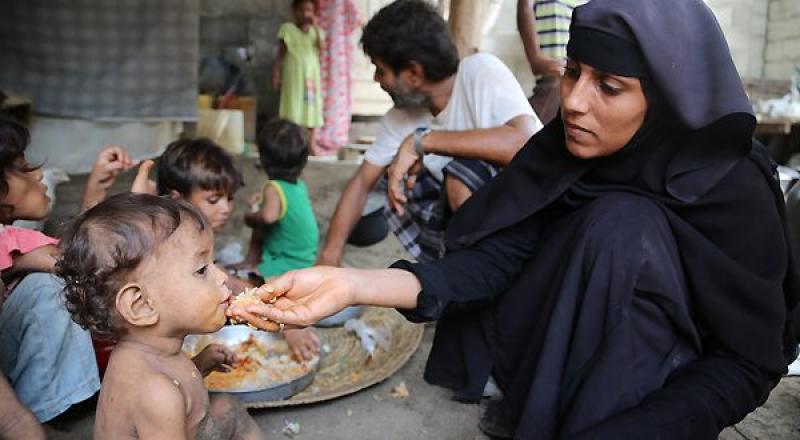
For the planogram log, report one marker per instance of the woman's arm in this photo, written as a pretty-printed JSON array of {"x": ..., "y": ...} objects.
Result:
[
  {"x": 309, "y": 295},
  {"x": 464, "y": 279}
]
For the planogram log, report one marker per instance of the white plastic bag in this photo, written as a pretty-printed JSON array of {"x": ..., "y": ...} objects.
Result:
[{"x": 369, "y": 336}]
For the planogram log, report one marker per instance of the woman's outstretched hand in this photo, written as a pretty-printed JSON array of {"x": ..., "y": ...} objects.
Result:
[{"x": 301, "y": 298}]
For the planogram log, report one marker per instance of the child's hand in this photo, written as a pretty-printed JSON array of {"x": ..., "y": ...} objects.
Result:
[
  {"x": 214, "y": 358},
  {"x": 304, "y": 343},
  {"x": 111, "y": 161},
  {"x": 142, "y": 183}
]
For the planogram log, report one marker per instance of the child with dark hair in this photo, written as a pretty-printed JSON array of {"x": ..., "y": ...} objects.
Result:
[
  {"x": 296, "y": 69},
  {"x": 198, "y": 171},
  {"x": 139, "y": 269},
  {"x": 285, "y": 234},
  {"x": 48, "y": 359}
]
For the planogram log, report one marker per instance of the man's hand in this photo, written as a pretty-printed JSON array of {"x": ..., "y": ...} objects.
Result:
[
  {"x": 142, "y": 182},
  {"x": 405, "y": 166},
  {"x": 214, "y": 358},
  {"x": 542, "y": 64}
]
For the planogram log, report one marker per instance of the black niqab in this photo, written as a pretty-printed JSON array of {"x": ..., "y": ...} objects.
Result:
[{"x": 693, "y": 156}]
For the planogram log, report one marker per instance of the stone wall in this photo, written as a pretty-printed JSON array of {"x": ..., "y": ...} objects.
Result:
[
  {"x": 744, "y": 23},
  {"x": 783, "y": 39}
]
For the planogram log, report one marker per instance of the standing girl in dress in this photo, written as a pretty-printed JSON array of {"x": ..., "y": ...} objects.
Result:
[{"x": 296, "y": 69}]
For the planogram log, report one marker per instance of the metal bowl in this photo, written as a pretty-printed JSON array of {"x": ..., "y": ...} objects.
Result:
[{"x": 232, "y": 335}]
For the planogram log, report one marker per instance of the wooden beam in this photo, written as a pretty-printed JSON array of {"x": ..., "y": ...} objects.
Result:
[{"x": 465, "y": 23}]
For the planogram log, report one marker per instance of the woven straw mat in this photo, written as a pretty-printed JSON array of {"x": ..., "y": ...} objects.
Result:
[{"x": 347, "y": 368}]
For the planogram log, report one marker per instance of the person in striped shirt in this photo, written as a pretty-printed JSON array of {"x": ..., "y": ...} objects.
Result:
[{"x": 544, "y": 28}]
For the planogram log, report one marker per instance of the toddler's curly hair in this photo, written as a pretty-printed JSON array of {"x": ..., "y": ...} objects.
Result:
[{"x": 102, "y": 248}]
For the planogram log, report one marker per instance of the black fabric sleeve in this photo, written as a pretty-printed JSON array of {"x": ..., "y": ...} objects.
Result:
[
  {"x": 474, "y": 276},
  {"x": 696, "y": 403}
]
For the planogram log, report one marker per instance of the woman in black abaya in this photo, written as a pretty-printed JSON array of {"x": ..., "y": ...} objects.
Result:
[{"x": 628, "y": 274}]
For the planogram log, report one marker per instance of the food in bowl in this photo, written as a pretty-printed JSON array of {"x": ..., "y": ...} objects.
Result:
[{"x": 260, "y": 364}]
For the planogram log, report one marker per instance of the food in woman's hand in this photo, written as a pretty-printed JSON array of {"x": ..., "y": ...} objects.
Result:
[{"x": 247, "y": 298}]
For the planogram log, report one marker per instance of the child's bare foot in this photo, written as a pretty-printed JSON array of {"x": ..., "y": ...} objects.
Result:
[
  {"x": 304, "y": 343},
  {"x": 214, "y": 358}
]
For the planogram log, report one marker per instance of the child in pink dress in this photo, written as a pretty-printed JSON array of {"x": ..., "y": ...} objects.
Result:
[{"x": 48, "y": 359}]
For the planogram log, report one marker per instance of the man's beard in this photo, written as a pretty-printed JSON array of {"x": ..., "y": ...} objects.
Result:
[{"x": 404, "y": 98}]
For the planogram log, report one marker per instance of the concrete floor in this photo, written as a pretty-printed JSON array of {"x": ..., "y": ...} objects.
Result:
[{"x": 428, "y": 412}]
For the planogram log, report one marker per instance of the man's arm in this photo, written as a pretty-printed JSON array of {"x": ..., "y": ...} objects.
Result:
[
  {"x": 348, "y": 212},
  {"x": 497, "y": 145},
  {"x": 540, "y": 63}
]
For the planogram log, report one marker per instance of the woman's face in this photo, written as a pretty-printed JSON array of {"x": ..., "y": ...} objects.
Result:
[
  {"x": 601, "y": 112},
  {"x": 26, "y": 193}
]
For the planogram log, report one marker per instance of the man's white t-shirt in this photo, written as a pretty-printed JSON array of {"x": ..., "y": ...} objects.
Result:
[{"x": 485, "y": 95}]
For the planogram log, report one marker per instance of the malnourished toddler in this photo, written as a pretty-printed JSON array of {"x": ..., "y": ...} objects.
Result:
[{"x": 138, "y": 269}]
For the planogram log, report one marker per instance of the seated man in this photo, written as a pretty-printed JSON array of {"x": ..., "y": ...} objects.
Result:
[{"x": 465, "y": 118}]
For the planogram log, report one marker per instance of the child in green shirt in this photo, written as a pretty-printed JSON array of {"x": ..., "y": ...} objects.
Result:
[{"x": 285, "y": 233}]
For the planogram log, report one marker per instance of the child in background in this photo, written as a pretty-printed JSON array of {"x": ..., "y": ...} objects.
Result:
[
  {"x": 139, "y": 269},
  {"x": 296, "y": 69},
  {"x": 285, "y": 234},
  {"x": 202, "y": 173}
]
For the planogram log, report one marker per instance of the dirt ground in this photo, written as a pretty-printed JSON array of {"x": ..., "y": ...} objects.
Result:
[{"x": 428, "y": 412}]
